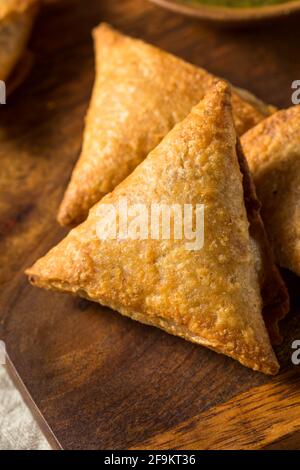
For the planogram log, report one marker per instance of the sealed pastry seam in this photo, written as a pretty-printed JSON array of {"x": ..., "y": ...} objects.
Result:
[
  {"x": 256, "y": 362},
  {"x": 274, "y": 293}
]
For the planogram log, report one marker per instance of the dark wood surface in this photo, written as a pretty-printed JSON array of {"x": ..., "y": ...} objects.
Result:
[{"x": 100, "y": 380}]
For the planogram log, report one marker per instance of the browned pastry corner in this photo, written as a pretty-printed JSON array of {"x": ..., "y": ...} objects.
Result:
[
  {"x": 272, "y": 149},
  {"x": 209, "y": 296},
  {"x": 16, "y": 21},
  {"x": 140, "y": 93}
]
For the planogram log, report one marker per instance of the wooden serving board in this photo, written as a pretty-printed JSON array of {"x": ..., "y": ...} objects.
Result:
[{"x": 95, "y": 379}]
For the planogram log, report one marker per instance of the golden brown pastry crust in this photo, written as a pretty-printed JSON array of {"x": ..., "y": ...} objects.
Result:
[
  {"x": 273, "y": 152},
  {"x": 274, "y": 293},
  {"x": 16, "y": 20},
  {"x": 10, "y": 6},
  {"x": 140, "y": 93},
  {"x": 212, "y": 296}
]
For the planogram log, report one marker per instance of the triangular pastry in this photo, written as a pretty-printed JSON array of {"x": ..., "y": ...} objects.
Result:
[
  {"x": 16, "y": 20},
  {"x": 272, "y": 149},
  {"x": 210, "y": 296},
  {"x": 140, "y": 93}
]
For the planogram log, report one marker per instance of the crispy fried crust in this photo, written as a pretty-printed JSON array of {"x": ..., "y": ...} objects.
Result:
[
  {"x": 209, "y": 296},
  {"x": 274, "y": 293},
  {"x": 140, "y": 93},
  {"x": 273, "y": 152},
  {"x": 16, "y": 20}
]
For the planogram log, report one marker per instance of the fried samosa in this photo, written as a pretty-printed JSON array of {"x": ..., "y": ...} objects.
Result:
[
  {"x": 210, "y": 296},
  {"x": 272, "y": 149},
  {"x": 16, "y": 21},
  {"x": 140, "y": 93}
]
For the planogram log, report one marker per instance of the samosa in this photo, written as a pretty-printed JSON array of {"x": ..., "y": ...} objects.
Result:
[
  {"x": 16, "y": 21},
  {"x": 210, "y": 295},
  {"x": 140, "y": 93},
  {"x": 272, "y": 149}
]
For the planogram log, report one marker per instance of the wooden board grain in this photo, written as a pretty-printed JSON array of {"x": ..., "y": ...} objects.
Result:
[{"x": 100, "y": 380}]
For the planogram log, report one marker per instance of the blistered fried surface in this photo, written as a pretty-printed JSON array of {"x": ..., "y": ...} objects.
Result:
[
  {"x": 140, "y": 93},
  {"x": 210, "y": 296},
  {"x": 273, "y": 151}
]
